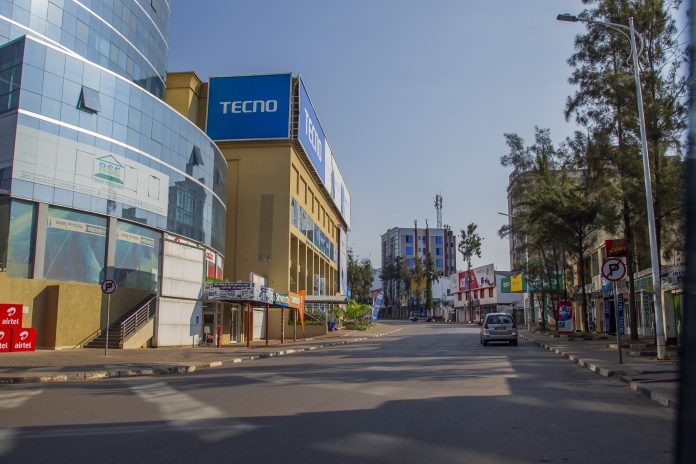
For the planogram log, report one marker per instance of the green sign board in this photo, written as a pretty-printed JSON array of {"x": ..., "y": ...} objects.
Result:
[{"x": 518, "y": 284}]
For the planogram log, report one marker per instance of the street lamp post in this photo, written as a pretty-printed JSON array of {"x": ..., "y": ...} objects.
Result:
[{"x": 657, "y": 285}]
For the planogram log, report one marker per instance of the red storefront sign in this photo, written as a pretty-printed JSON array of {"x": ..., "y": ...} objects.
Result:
[
  {"x": 5, "y": 340},
  {"x": 24, "y": 339},
  {"x": 10, "y": 316}
]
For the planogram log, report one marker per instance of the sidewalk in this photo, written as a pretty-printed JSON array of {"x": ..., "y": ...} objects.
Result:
[
  {"x": 90, "y": 363},
  {"x": 658, "y": 380}
]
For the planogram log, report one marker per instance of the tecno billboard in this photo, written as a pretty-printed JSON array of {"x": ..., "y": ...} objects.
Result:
[
  {"x": 249, "y": 107},
  {"x": 311, "y": 135}
]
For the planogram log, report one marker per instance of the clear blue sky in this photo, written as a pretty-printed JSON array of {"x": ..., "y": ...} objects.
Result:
[{"x": 414, "y": 96}]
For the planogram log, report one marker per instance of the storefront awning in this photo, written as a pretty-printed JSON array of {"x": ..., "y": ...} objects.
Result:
[{"x": 326, "y": 299}]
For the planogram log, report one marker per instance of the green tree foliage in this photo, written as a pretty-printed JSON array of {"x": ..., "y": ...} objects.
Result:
[
  {"x": 559, "y": 204},
  {"x": 469, "y": 246},
  {"x": 360, "y": 274},
  {"x": 431, "y": 275},
  {"x": 605, "y": 103}
]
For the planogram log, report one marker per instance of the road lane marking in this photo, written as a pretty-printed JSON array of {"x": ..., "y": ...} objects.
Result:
[
  {"x": 14, "y": 399},
  {"x": 183, "y": 411}
]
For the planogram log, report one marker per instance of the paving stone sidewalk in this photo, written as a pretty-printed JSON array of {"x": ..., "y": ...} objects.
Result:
[
  {"x": 90, "y": 363},
  {"x": 658, "y": 380}
]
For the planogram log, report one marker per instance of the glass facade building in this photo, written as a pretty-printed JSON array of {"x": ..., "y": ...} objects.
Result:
[{"x": 88, "y": 146}]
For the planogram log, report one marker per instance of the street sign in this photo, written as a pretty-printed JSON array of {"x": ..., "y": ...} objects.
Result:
[
  {"x": 613, "y": 269},
  {"x": 108, "y": 287}
]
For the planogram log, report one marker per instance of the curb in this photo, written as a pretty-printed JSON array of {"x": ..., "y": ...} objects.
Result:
[
  {"x": 604, "y": 372},
  {"x": 172, "y": 370}
]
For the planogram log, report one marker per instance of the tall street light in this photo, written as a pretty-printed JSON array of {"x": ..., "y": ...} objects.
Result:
[{"x": 657, "y": 285}]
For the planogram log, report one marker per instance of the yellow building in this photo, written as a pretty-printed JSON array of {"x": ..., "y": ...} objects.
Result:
[{"x": 287, "y": 208}]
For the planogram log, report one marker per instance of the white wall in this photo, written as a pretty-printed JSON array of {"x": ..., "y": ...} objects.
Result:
[{"x": 179, "y": 316}]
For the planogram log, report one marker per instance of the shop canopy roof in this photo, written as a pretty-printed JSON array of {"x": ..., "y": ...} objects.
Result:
[{"x": 326, "y": 299}]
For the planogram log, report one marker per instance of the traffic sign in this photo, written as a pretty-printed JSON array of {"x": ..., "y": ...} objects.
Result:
[
  {"x": 108, "y": 287},
  {"x": 613, "y": 269}
]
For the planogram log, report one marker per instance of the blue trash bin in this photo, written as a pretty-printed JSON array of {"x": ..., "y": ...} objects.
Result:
[{"x": 332, "y": 326}]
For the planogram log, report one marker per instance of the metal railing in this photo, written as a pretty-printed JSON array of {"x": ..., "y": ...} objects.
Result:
[{"x": 140, "y": 317}]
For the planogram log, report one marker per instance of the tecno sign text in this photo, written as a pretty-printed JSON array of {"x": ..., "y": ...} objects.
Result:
[
  {"x": 313, "y": 135},
  {"x": 250, "y": 106}
]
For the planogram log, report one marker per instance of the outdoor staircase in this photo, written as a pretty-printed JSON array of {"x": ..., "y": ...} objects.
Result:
[{"x": 127, "y": 325}]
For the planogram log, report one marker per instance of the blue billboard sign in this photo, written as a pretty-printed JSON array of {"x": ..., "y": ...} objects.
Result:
[
  {"x": 311, "y": 135},
  {"x": 249, "y": 107}
]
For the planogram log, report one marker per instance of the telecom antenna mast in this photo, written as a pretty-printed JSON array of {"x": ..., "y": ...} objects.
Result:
[{"x": 438, "y": 208}]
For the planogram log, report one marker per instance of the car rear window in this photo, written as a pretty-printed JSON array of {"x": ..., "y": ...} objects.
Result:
[{"x": 499, "y": 320}]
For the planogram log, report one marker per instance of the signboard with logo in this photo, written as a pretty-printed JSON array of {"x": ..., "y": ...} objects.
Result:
[
  {"x": 23, "y": 340},
  {"x": 235, "y": 291},
  {"x": 564, "y": 316},
  {"x": 249, "y": 107},
  {"x": 616, "y": 247},
  {"x": 10, "y": 316},
  {"x": 311, "y": 135},
  {"x": 99, "y": 173},
  {"x": 480, "y": 277},
  {"x": 5, "y": 340},
  {"x": 281, "y": 299},
  {"x": 294, "y": 300},
  {"x": 210, "y": 269}
]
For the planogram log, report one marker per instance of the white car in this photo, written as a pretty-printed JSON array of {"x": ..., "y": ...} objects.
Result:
[{"x": 499, "y": 327}]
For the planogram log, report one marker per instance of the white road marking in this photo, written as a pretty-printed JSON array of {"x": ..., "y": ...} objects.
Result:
[
  {"x": 185, "y": 412},
  {"x": 14, "y": 399}
]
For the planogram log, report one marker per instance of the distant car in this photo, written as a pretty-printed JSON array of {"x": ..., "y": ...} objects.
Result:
[
  {"x": 430, "y": 319},
  {"x": 499, "y": 327},
  {"x": 414, "y": 319}
]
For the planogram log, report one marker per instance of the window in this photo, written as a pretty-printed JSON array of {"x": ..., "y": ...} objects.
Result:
[
  {"x": 438, "y": 251},
  {"x": 490, "y": 292},
  {"x": 476, "y": 295},
  {"x": 459, "y": 296},
  {"x": 438, "y": 240},
  {"x": 411, "y": 263},
  {"x": 467, "y": 295},
  {"x": 409, "y": 238},
  {"x": 89, "y": 100},
  {"x": 438, "y": 263},
  {"x": 409, "y": 252}
]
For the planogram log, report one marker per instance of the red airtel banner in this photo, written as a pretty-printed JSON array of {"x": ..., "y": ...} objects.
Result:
[
  {"x": 23, "y": 339},
  {"x": 10, "y": 316},
  {"x": 5, "y": 340}
]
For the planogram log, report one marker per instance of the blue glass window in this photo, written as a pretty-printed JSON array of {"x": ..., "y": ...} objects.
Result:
[
  {"x": 75, "y": 246},
  {"x": 137, "y": 256},
  {"x": 409, "y": 238},
  {"x": 409, "y": 251},
  {"x": 89, "y": 100},
  {"x": 438, "y": 263},
  {"x": 438, "y": 240},
  {"x": 19, "y": 251},
  {"x": 438, "y": 251}
]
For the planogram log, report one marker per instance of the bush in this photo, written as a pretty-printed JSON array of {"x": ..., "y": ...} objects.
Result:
[{"x": 358, "y": 325}]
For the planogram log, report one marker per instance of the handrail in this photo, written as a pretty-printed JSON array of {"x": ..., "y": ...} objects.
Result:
[{"x": 140, "y": 317}]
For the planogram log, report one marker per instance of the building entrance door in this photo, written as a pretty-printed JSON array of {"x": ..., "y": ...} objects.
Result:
[
  {"x": 234, "y": 324},
  {"x": 259, "y": 324}
]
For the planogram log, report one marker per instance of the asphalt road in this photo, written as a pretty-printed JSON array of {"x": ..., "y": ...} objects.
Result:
[{"x": 427, "y": 394}]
